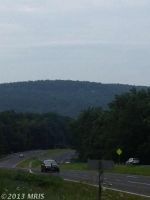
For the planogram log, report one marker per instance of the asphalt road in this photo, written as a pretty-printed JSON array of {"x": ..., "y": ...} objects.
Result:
[
  {"x": 129, "y": 183},
  {"x": 12, "y": 160}
]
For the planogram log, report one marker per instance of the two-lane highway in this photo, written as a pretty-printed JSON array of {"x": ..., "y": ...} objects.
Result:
[
  {"x": 12, "y": 160},
  {"x": 133, "y": 184},
  {"x": 128, "y": 183}
]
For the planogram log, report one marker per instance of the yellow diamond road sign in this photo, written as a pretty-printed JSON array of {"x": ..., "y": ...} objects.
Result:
[{"x": 119, "y": 152}]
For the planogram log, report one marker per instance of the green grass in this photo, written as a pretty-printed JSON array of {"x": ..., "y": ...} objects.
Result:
[
  {"x": 74, "y": 166},
  {"x": 136, "y": 170},
  {"x": 25, "y": 163},
  {"x": 122, "y": 169},
  {"x": 54, "y": 152},
  {"x": 36, "y": 161},
  {"x": 54, "y": 188}
]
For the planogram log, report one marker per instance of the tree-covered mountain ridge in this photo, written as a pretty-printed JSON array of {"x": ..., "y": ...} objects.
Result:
[{"x": 64, "y": 97}]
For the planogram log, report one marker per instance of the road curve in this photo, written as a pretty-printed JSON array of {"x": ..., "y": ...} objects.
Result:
[
  {"x": 128, "y": 183},
  {"x": 12, "y": 160}
]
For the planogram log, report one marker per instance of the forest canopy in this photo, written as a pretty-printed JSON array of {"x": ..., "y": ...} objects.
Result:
[
  {"x": 67, "y": 98},
  {"x": 98, "y": 134},
  {"x": 27, "y": 131}
]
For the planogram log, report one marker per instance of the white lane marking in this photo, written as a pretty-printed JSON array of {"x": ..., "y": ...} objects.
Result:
[
  {"x": 118, "y": 180},
  {"x": 135, "y": 182},
  {"x": 132, "y": 177},
  {"x": 71, "y": 180},
  {"x": 113, "y": 189},
  {"x": 30, "y": 171},
  {"x": 30, "y": 166},
  {"x": 108, "y": 184},
  {"x": 132, "y": 193}
]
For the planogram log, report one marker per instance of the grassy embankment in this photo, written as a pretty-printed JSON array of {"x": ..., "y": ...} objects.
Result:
[
  {"x": 36, "y": 161},
  {"x": 53, "y": 188},
  {"x": 136, "y": 170}
]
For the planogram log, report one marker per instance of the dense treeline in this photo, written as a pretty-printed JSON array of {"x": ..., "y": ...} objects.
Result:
[
  {"x": 126, "y": 125},
  {"x": 20, "y": 132},
  {"x": 96, "y": 133},
  {"x": 66, "y": 98}
]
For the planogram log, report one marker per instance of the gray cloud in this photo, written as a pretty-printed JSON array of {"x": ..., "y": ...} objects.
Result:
[{"x": 110, "y": 40}]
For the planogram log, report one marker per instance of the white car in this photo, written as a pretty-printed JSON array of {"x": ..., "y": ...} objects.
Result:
[
  {"x": 21, "y": 155},
  {"x": 132, "y": 161}
]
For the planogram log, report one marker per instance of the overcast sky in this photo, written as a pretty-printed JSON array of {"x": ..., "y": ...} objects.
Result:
[{"x": 95, "y": 40}]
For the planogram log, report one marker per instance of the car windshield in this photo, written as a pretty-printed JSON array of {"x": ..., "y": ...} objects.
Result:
[
  {"x": 133, "y": 159},
  {"x": 49, "y": 162}
]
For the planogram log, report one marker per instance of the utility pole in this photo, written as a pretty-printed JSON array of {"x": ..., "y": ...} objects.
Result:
[{"x": 100, "y": 172}]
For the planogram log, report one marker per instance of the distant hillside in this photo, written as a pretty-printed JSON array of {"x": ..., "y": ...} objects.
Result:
[{"x": 63, "y": 97}]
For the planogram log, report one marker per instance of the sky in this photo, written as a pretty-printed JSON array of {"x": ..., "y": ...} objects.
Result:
[{"x": 104, "y": 41}]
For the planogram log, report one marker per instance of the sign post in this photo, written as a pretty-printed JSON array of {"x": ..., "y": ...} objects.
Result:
[
  {"x": 100, "y": 165},
  {"x": 100, "y": 172},
  {"x": 119, "y": 152}
]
